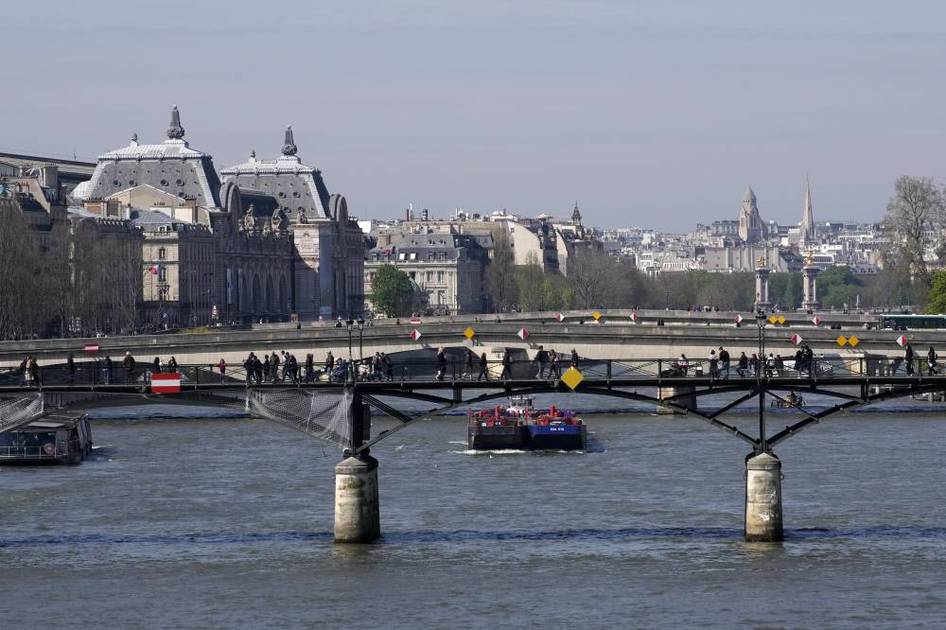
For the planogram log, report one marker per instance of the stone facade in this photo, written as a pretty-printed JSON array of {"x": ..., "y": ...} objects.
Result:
[
  {"x": 228, "y": 254},
  {"x": 329, "y": 247},
  {"x": 449, "y": 268}
]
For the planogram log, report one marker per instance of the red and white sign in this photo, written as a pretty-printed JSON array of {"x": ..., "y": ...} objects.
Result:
[
  {"x": 167, "y": 383},
  {"x": 902, "y": 341},
  {"x": 634, "y": 316},
  {"x": 560, "y": 317},
  {"x": 738, "y": 319},
  {"x": 415, "y": 335},
  {"x": 796, "y": 339},
  {"x": 415, "y": 321},
  {"x": 523, "y": 334},
  {"x": 816, "y": 320},
  {"x": 91, "y": 347}
]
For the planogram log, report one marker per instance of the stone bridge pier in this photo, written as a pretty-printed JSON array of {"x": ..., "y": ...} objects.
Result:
[
  {"x": 357, "y": 502},
  {"x": 763, "y": 498}
]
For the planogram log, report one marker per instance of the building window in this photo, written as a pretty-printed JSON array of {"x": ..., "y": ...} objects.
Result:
[
  {"x": 162, "y": 274},
  {"x": 162, "y": 254},
  {"x": 430, "y": 276},
  {"x": 439, "y": 276}
]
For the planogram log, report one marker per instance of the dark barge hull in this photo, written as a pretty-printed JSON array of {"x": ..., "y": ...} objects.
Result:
[
  {"x": 496, "y": 438},
  {"x": 560, "y": 438}
]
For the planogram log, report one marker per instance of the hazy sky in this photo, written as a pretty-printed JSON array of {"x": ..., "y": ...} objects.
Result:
[{"x": 653, "y": 113}]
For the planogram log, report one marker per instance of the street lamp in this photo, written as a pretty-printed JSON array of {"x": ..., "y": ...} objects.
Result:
[
  {"x": 361, "y": 329},
  {"x": 760, "y": 318},
  {"x": 349, "y": 324}
]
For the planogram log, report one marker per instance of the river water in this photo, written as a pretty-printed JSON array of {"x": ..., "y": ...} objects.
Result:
[{"x": 207, "y": 522}]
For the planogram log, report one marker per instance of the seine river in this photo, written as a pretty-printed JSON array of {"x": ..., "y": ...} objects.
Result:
[{"x": 207, "y": 522}]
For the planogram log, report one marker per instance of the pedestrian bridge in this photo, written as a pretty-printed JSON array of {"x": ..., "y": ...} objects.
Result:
[{"x": 339, "y": 410}]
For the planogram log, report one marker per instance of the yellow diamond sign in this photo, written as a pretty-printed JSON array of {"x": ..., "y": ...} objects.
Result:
[
  {"x": 842, "y": 340},
  {"x": 572, "y": 377},
  {"x": 773, "y": 319},
  {"x": 596, "y": 315},
  {"x": 853, "y": 341},
  {"x": 469, "y": 333},
  {"x": 781, "y": 319}
]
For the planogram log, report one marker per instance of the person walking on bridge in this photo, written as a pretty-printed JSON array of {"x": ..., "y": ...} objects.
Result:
[
  {"x": 713, "y": 364},
  {"x": 723, "y": 362},
  {"x": 743, "y": 366},
  {"x": 507, "y": 365},
  {"x": 71, "y": 368},
  {"x": 542, "y": 358},
  {"x": 554, "y": 368},
  {"x": 329, "y": 364},
  {"x": 931, "y": 357},
  {"x": 574, "y": 358},
  {"x": 908, "y": 359},
  {"x": 484, "y": 368},
  {"x": 157, "y": 365},
  {"x": 468, "y": 369},
  {"x": 441, "y": 364},
  {"x": 129, "y": 364}
]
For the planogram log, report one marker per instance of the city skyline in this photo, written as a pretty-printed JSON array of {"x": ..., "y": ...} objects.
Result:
[{"x": 637, "y": 111}]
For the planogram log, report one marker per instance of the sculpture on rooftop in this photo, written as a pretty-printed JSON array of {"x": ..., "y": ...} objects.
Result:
[{"x": 175, "y": 130}]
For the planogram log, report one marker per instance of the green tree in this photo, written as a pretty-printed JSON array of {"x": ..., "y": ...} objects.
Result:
[
  {"x": 937, "y": 295},
  {"x": 392, "y": 291}
]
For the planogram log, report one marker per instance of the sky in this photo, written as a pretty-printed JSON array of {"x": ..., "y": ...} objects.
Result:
[{"x": 654, "y": 114}]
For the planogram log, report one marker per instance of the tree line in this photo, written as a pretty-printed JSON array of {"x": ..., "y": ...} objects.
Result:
[{"x": 69, "y": 280}]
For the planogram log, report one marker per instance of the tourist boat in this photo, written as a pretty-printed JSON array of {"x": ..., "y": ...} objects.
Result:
[
  {"x": 520, "y": 426},
  {"x": 55, "y": 439}
]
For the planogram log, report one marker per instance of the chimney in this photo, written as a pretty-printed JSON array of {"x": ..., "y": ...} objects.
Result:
[{"x": 49, "y": 176}]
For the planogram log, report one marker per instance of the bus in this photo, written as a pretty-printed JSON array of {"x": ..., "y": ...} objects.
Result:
[{"x": 891, "y": 321}]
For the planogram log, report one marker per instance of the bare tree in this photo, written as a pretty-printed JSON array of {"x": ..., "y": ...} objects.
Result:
[
  {"x": 501, "y": 273},
  {"x": 915, "y": 213}
]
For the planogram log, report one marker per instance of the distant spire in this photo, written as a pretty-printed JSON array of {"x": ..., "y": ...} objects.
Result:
[
  {"x": 175, "y": 131},
  {"x": 253, "y": 155},
  {"x": 749, "y": 197},
  {"x": 289, "y": 146},
  {"x": 576, "y": 214},
  {"x": 134, "y": 139},
  {"x": 807, "y": 226}
]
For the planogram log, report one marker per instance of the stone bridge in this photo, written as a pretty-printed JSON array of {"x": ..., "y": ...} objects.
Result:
[{"x": 616, "y": 334}]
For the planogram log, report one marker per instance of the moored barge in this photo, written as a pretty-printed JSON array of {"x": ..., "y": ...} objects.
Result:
[{"x": 59, "y": 438}]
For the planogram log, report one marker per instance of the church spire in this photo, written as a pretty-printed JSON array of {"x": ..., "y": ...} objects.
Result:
[
  {"x": 175, "y": 130},
  {"x": 807, "y": 226},
  {"x": 289, "y": 146},
  {"x": 576, "y": 215}
]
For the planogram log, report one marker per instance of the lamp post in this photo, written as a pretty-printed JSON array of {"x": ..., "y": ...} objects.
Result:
[
  {"x": 350, "y": 323},
  {"x": 361, "y": 329},
  {"x": 760, "y": 318}
]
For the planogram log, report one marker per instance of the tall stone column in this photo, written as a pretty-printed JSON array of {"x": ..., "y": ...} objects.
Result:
[
  {"x": 763, "y": 498},
  {"x": 810, "y": 288},
  {"x": 762, "y": 286},
  {"x": 357, "y": 504}
]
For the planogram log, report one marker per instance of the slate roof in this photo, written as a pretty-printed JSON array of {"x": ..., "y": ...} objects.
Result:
[
  {"x": 172, "y": 166},
  {"x": 293, "y": 184}
]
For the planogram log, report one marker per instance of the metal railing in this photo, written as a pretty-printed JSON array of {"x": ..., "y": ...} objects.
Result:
[{"x": 458, "y": 368}]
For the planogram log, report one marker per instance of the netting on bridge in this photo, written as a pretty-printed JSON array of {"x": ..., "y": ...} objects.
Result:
[
  {"x": 323, "y": 415},
  {"x": 17, "y": 411}
]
